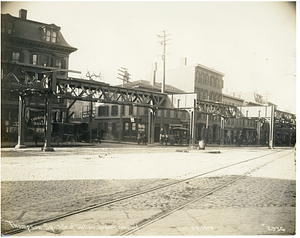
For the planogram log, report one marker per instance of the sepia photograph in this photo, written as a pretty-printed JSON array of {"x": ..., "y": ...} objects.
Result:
[{"x": 148, "y": 118}]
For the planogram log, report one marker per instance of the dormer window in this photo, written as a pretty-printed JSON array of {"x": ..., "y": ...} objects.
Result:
[
  {"x": 50, "y": 35},
  {"x": 54, "y": 36},
  {"x": 6, "y": 27}
]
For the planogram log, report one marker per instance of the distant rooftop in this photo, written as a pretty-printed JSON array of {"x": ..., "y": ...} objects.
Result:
[{"x": 144, "y": 84}]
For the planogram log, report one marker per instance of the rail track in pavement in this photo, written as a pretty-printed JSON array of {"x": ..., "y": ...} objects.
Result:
[
  {"x": 207, "y": 187},
  {"x": 158, "y": 217}
]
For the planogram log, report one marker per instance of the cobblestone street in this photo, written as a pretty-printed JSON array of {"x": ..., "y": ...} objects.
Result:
[{"x": 37, "y": 186}]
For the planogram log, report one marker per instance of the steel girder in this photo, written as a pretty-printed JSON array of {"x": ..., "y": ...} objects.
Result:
[
  {"x": 220, "y": 109},
  {"x": 89, "y": 90},
  {"x": 101, "y": 92},
  {"x": 26, "y": 85},
  {"x": 80, "y": 89},
  {"x": 284, "y": 118}
]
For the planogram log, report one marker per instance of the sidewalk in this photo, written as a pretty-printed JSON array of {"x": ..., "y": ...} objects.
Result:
[{"x": 41, "y": 144}]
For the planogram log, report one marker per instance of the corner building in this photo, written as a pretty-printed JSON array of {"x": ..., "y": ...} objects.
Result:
[{"x": 30, "y": 49}]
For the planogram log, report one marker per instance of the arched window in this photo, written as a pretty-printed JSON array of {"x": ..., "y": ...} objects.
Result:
[
  {"x": 54, "y": 36},
  {"x": 48, "y": 35}
]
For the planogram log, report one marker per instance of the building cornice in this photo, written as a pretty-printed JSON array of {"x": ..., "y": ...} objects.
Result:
[
  {"x": 44, "y": 45},
  {"x": 209, "y": 69}
]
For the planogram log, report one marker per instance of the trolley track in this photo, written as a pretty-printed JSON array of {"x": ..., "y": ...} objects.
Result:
[
  {"x": 40, "y": 222},
  {"x": 166, "y": 214}
]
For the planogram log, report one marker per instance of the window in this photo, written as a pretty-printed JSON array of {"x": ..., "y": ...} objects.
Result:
[
  {"x": 58, "y": 63},
  {"x": 53, "y": 37},
  {"x": 133, "y": 126},
  {"x": 103, "y": 111},
  {"x": 114, "y": 110},
  {"x": 126, "y": 126},
  {"x": 15, "y": 57},
  {"x": 123, "y": 110},
  {"x": 9, "y": 28},
  {"x": 34, "y": 59},
  {"x": 48, "y": 35},
  {"x": 130, "y": 110},
  {"x": 44, "y": 61},
  {"x": 6, "y": 27}
]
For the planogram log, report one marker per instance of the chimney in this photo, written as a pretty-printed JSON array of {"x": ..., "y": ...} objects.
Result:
[
  {"x": 153, "y": 73},
  {"x": 23, "y": 14},
  {"x": 183, "y": 62}
]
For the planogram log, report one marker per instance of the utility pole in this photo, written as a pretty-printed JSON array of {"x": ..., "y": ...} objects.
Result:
[
  {"x": 125, "y": 78},
  {"x": 90, "y": 76},
  {"x": 163, "y": 43},
  {"x": 163, "y": 40},
  {"x": 125, "y": 75}
]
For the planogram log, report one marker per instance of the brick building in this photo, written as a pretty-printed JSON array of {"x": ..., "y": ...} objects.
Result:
[
  {"x": 208, "y": 84},
  {"x": 29, "y": 49},
  {"x": 125, "y": 122}
]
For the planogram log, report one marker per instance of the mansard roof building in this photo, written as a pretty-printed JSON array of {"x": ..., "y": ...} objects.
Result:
[
  {"x": 34, "y": 45},
  {"x": 29, "y": 49}
]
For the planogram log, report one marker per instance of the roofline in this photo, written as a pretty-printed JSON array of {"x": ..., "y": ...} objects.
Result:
[
  {"x": 215, "y": 71},
  {"x": 43, "y": 23},
  {"x": 226, "y": 95},
  {"x": 156, "y": 86}
]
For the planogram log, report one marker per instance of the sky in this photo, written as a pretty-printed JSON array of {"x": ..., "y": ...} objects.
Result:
[{"x": 252, "y": 43}]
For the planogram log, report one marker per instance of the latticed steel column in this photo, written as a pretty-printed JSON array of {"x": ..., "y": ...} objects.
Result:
[
  {"x": 151, "y": 126},
  {"x": 222, "y": 128},
  {"x": 21, "y": 121},
  {"x": 49, "y": 99}
]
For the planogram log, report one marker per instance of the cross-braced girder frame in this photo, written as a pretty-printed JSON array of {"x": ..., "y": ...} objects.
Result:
[
  {"x": 99, "y": 92},
  {"x": 219, "y": 109},
  {"x": 284, "y": 118}
]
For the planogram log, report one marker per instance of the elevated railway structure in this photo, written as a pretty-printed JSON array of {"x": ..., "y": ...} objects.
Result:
[{"x": 52, "y": 87}]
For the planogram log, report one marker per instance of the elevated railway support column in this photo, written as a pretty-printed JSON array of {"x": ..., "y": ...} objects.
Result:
[
  {"x": 258, "y": 132},
  {"x": 192, "y": 128},
  {"x": 121, "y": 123},
  {"x": 21, "y": 121},
  {"x": 222, "y": 131},
  {"x": 162, "y": 125},
  {"x": 271, "y": 131},
  {"x": 48, "y": 121},
  {"x": 91, "y": 120},
  {"x": 47, "y": 143},
  {"x": 151, "y": 125}
]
